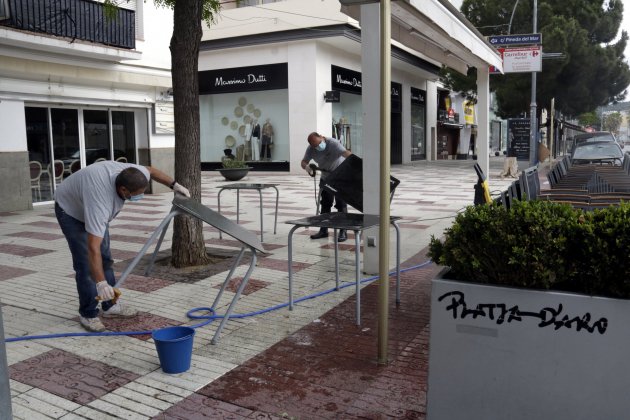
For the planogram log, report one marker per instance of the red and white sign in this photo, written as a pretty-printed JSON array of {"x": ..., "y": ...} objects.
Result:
[{"x": 522, "y": 59}]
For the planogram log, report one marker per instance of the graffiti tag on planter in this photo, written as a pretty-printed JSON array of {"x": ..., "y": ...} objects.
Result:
[{"x": 501, "y": 313}]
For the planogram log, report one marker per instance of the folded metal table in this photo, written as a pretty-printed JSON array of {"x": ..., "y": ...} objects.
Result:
[
  {"x": 190, "y": 207},
  {"x": 348, "y": 221},
  {"x": 247, "y": 186}
]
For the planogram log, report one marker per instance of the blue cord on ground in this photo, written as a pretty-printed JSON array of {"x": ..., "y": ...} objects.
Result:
[{"x": 209, "y": 315}]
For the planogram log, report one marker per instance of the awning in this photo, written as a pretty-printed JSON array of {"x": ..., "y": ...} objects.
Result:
[{"x": 436, "y": 29}]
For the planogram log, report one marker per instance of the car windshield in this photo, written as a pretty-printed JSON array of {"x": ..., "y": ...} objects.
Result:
[
  {"x": 597, "y": 151},
  {"x": 591, "y": 137}
]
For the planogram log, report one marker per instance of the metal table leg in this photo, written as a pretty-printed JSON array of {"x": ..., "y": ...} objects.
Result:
[
  {"x": 238, "y": 203},
  {"x": 261, "y": 215},
  {"x": 161, "y": 229},
  {"x": 244, "y": 281},
  {"x": 290, "y": 259},
  {"x": 275, "y": 222},
  {"x": 219, "y": 208},
  {"x": 357, "y": 252},
  {"x": 336, "y": 261},
  {"x": 397, "y": 262}
]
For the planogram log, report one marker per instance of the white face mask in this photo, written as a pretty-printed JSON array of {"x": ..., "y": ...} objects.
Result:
[
  {"x": 136, "y": 197},
  {"x": 322, "y": 146}
]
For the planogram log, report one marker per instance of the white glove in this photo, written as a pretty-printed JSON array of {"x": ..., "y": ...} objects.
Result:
[
  {"x": 179, "y": 189},
  {"x": 309, "y": 170},
  {"x": 104, "y": 290}
]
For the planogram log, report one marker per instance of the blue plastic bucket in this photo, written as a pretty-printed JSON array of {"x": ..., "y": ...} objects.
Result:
[{"x": 174, "y": 347}]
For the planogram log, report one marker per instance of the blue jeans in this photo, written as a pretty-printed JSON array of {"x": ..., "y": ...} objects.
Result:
[{"x": 74, "y": 231}]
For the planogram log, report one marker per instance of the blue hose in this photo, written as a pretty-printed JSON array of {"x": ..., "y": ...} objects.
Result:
[{"x": 208, "y": 317}]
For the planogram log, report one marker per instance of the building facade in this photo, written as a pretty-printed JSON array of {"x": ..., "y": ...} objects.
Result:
[{"x": 76, "y": 88}]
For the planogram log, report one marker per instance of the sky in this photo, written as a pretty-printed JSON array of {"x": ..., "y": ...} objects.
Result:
[{"x": 625, "y": 24}]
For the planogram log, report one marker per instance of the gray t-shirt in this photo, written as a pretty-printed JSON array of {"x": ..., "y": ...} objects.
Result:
[
  {"x": 89, "y": 195},
  {"x": 330, "y": 158}
]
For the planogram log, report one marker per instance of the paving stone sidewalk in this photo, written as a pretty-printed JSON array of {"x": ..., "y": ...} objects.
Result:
[{"x": 312, "y": 362}]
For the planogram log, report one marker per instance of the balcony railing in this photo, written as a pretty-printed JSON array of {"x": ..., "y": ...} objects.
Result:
[{"x": 73, "y": 19}]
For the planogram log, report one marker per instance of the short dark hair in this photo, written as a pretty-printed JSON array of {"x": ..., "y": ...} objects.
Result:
[{"x": 131, "y": 178}]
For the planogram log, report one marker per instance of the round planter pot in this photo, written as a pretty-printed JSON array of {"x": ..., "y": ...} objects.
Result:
[{"x": 234, "y": 174}]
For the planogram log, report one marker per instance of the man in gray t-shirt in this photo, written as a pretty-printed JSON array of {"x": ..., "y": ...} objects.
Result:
[
  {"x": 328, "y": 153},
  {"x": 85, "y": 203}
]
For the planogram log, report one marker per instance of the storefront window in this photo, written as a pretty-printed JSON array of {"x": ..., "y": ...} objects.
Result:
[
  {"x": 53, "y": 159},
  {"x": 244, "y": 113},
  {"x": 253, "y": 125},
  {"x": 418, "y": 124},
  {"x": 347, "y": 124}
]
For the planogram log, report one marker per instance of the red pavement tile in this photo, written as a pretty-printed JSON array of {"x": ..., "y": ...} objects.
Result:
[
  {"x": 342, "y": 246},
  {"x": 142, "y": 211},
  {"x": 144, "y": 321},
  {"x": 143, "y": 284},
  {"x": 128, "y": 238},
  {"x": 70, "y": 376},
  {"x": 43, "y": 224},
  {"x": 7, "y": 273},
  {"x": 36, "y": 235},
  {"x": 139, "y": 219},
  {"x": 121, "y": 254},
  {"x": 328, "y": 368},
  {"x": 253, "y": 285},
  {"x": 7, "y": 214},
  {"x": 22, "y": 250}
]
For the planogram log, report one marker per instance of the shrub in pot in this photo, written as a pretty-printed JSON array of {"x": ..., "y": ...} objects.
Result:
[
  {"x": 531, "y": 320},
  {"x": 233, "y": 169}
]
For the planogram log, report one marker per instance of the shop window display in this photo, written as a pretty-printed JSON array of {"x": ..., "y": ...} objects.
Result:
[
  {"x": 252, "y": 125},
  {"x": 347, "y": 124}
]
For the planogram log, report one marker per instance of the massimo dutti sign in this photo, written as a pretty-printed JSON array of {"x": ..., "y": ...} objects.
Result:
[
  {"x": 244, "y": 79},
  {"x": 418, "y": 96},
  {"x": 345, "y": 80}
]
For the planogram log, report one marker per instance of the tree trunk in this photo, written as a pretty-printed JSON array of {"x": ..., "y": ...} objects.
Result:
[{"x": 188, "y": 245}]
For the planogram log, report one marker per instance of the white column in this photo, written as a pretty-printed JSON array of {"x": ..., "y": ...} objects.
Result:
[
  {"x": 431, "y": 116},
  {"x": 483, "y": 122},
  {"x": 370, "y": 77}
]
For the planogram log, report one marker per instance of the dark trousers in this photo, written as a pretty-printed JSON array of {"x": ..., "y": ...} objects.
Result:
[
  {"x": 74, "y": 231},
  {"x": 328, "y": 197}
]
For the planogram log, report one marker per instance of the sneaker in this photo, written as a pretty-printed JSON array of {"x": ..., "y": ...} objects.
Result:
[
  {"x": 120, "y": 311},
  {"x": 92, "y": 324}
]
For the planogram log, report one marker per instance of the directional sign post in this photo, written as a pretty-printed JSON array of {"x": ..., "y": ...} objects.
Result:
[{"x": 516, "y": 39}]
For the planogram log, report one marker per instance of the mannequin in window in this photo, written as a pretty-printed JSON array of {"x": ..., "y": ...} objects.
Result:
[
  {"x": 267, "y": 140},
  {"x": 256, "y": 139}
]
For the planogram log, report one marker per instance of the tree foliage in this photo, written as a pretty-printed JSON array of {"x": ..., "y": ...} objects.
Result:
[
  {"x": 592, "y": 72},
  {"x": 611, "y": 122},
  {"x": 588, "y": 118}
]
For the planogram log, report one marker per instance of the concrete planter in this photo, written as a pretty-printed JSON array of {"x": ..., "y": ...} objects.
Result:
[
  {"x": 234, "y": 174},
  {"x": 507, "y": 353}
]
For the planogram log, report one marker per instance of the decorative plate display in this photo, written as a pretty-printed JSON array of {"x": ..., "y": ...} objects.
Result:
[
  {"x": 238, "y": 111},
  {"x": 250, "y": 107},
  {"x": 225, "y": 120},
  {"x": 257, "y": 113},
  {"x": 242, "y": 101},
  {"x": 241, "y": 130},
  {"x": 247, "y": 119},
  {"x": 230, "y": 141},
  {"x": 234, "y": 125}
]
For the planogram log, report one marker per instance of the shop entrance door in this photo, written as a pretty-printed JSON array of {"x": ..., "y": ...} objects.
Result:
[{"x": 396, "y": 138}]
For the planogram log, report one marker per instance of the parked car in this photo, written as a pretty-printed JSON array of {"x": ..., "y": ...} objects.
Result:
[
  {"x": 608, "y": 152},
  {"x": 596, "y": 136}
]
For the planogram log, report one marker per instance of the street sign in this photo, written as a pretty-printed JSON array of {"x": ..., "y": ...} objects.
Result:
[
  {"x": 516, "y": 39},
  {"x": 522, "y": 59}
]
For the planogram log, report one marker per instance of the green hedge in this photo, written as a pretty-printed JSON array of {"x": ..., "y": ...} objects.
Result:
[{"x": 540, "y": 245}]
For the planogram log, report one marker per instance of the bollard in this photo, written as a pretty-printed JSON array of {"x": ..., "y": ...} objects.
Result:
[{"x": 5, "y": 392}]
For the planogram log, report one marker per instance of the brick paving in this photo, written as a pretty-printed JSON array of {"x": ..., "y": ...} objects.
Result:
[{"x": 312, "y": 362}]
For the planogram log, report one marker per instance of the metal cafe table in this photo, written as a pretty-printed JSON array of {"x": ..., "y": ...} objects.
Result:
[
  {"x": 248, "y": 241},
  {"x": 246, "y": 186},
  {"x": 355, "y": 222}
]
